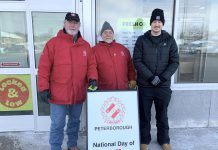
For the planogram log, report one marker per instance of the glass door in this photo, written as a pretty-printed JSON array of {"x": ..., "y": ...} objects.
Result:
[
  {"x": 45, "y": 26},
  {"x": 16, "y": 92},
  {"x": 25, "y": 27},
  {"x": 46, "y": 22}
]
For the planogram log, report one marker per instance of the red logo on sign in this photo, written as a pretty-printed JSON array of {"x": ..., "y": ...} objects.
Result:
[
  {"x": 113, "y": 110},
  {"x": 13, "y": 92}
]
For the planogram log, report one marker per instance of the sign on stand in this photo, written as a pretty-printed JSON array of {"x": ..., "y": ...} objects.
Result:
[{"x": 112, "y": 120}]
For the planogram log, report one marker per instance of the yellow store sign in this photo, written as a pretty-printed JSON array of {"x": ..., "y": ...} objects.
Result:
[{"x": 15, "y": 93}]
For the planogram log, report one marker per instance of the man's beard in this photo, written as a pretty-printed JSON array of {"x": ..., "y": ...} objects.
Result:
[
  {"x": 71, "y": 32},
  {"x": 108, "y": 41}
]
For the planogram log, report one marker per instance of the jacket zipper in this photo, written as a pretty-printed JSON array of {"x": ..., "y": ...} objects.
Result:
[
  {"x": 156, "y": 51},
  {"x": 114, "y": 65},
  {"x": 72, "y": 76}
]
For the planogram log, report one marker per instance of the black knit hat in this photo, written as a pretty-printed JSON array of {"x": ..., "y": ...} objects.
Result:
[
  {"x": 72, "y": 17},
  {"x": 106, "y": 26},
  {"x": 157, "y": 14}
]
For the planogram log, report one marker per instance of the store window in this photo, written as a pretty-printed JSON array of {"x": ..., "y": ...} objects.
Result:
[
  {"x": 130, "y": 18},
  {"x": 198, "y": 41},
  {"x": 45, "y": 26},
  {"x": 13, "y": 39}
]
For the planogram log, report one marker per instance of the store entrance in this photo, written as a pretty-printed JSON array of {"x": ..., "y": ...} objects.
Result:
[{"x": 25, "y": 27}]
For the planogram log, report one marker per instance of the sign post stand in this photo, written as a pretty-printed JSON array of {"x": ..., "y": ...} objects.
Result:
[{"x": 112, "y": 120}]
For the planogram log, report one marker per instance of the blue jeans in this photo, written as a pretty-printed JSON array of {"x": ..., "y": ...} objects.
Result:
[{"x": 58, "y": 120}]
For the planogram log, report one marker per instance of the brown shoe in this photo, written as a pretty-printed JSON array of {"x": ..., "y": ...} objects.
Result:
[
  {"x": 166, "y": 147},
  {"x": 74, "y": 148},
  {"x": 144, "y": 146}
]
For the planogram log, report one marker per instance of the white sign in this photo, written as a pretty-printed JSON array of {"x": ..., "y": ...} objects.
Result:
[{"x": 113, "y": 122}]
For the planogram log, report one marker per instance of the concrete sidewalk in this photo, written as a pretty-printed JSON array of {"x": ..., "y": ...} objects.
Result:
[{"x": 181, "y": 139}]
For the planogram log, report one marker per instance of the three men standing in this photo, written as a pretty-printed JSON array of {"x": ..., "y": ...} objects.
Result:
[{"x": 67, "y": 64}]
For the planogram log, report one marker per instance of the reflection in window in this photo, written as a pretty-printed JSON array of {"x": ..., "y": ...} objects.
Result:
[
  {"x": 131, "y": 19},
  {"x": 45, "y": 26},
  {"x": 13, "y": 39},
  {"x": 198, "y": 41}
]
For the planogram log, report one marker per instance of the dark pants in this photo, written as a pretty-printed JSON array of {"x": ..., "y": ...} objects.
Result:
[{"x": 161, "y": 98}]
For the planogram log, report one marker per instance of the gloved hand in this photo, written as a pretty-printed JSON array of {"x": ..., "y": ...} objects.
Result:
[
  {"x": 45, "y": 96},
  {"x": 154, "y": 80},
  {"x": 92, "y": 85},
  {"x": 162, "y": 80},
  {"x": 132, "y": 84}
]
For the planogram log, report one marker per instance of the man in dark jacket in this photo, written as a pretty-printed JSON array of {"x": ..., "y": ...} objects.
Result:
[
  {"x": 65, "y": 67},
  {"x": 156, "y": 59}
]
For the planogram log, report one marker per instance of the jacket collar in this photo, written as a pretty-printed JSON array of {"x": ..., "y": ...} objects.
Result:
[
  {"x": 107, "y": 44},
  {"x": 164, "y": 35},
  {"x": 62, "y": 33}
]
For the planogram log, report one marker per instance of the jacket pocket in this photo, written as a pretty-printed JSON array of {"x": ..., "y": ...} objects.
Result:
[
  {"x": 61, "y": 73},
  {"x": 80, "y": 72}
]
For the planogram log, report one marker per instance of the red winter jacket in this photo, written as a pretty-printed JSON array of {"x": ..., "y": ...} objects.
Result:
[
  {"x": 65, "y": 67},
  {"x": 114, "y": 65}
]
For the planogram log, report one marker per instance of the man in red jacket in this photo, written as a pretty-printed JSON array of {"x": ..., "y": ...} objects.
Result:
[
  {"x": 65, "y": 67},
  {"x": 114, "y": 63}
]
